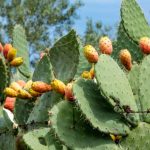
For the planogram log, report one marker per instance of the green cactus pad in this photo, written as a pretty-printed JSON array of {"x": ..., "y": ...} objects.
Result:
[
  {"x": 144, "y": 90},
  {"x": 22, "y": 110},
  {"x": 125, "y": 42},
  {"x": 35, "y": 140},
  {"x": 43, "y": 71},
  {"x": 134, "y": 21},
  {"x": 3, "y": 125},
  {"x": 138, "y": 138},
  {"x": 3, "y": 76},
  {"x": 96, "y": 110},
  {"x": 40, "y": 110},
  {"x": 8, "y": 121},
  {"x": 44, "y": 104},
  {"x": 20, "y": 43},
  {"x": 114, "y": 84},
  {"x": 133, "y": 77},
  {"x": 64, "y": 57},
  {"x": 53, "y": 142},
  {"x": 74, "y": 133},
  {"x": 84, "y": 65},
  {"x": 7, "y": 141}
]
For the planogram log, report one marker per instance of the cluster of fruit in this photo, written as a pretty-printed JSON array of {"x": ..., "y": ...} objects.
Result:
[
  {"x": 24, "y": 90},
  {"x": 32, "y": 90},
  {"x": 10, "y": 53},
  {"x": 105, "y": 46}
]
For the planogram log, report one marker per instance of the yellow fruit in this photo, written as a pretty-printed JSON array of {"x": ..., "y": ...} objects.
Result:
[
  {"x": 10, "y": 92},
  {"x": 34, "y": 93},
  {"x": 28, "y": 85},
  {"x": 58, "y": 86},
  {"x": 105, "y": 45},
  {"x": 125, "y": 58},
  {"x": 24, "y": 94},
  {"x": 11, "y": 54},
  {"x": 91, "y": 54},
  {"x": 15, "y": 86},
  {"x": 16, "y": 62},
  {"x": 92, "y": 72},
  {"x": 86, "y": 75}
]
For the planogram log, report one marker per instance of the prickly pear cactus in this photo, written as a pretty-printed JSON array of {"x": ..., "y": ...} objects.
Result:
[{"x": 71, "y": 104}]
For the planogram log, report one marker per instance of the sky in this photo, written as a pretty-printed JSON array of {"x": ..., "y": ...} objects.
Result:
[{"x": 107, "y": 11}]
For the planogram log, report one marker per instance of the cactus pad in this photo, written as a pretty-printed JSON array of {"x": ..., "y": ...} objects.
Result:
[
  {"x": 115, "y": 86},
  {"x": 43, "y": 70},
  {"x": 125, "y": 42},
  {"x": 74, "y": 133},
  {"x": 3, "y": 125},
  {"x": 96, "y": 110},
  {"x": 21, "y": 44},
  {"x": 133, "y": 77},
  {"x": 64, "y": 57},
  {"x": 35, "y": 139},
  {"x": 40, "y": 110},
  {"x": 83, "y": 63},
  {"x": 144, "y": 84},
  {"x": 138, "y": 138},
  {"x": 134, "y": 21},
  {"x": 22, "y": 110},
  {"x": 7, "y": 141}
]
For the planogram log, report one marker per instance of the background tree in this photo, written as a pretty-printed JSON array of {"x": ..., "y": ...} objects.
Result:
[
  {"x": 94, "y": 31},
  {"x": 43, "y": 21}
]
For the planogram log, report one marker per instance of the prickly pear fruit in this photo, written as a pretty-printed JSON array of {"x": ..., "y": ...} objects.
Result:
[
  {"x": 125, "y": 58},
  {"x": 24, "y": 94},
  {"x": 91, "y": 54},
  {"x": 144, "y": 44},
  {"x": 10, "y": 92},
  {"x": 28, "y": 85},
  {"x": 9, "y": 103},
  {"x": 105, "y": 45},
  {"x": 15, "y": 86},
  {"x": 58, "y": 86},
  {"x": 69, "y": 93},
  {"x": 16, "y": 62},
  {"x": 92, "y": 72},
  {"x": 11, "y": 54},
  {"x": 21, "y": 83},
  {"x": 86, "y": 75},
  {"x": 1, "y": 47},
  {"x": 41, "y": 87},
  {"x": 34, "y": 93},
  {"x": 42, "y": 54},
  {"x": 7, "y": 47}
]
